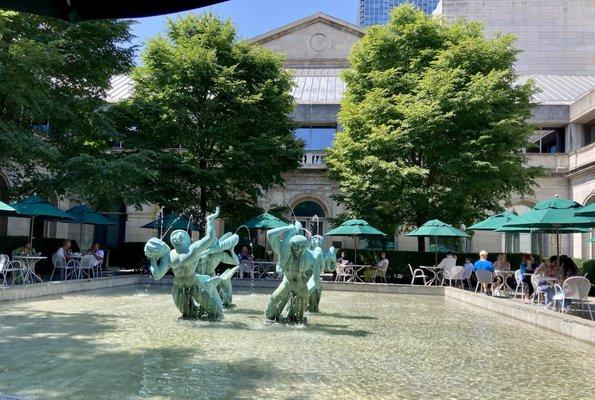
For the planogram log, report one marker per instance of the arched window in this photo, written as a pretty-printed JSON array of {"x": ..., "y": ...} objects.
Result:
[
  {"x": 311, "y": 215},
  {"x": 308, "y": 208}
]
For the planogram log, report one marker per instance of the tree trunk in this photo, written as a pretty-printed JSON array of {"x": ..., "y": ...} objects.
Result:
[{"x": 421, "y": 243}]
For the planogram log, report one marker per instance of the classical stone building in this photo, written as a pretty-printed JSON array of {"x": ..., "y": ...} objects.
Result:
[{"x": 316, "y": 50}]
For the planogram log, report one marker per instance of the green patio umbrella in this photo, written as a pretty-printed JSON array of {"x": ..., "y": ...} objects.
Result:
[
  {"x": 5, "y": 209},
  {"x": 81, "y": 10},
  {"x": 553, "y": 215},
  {"x": 494, "y": 222},
  {"x": 34, "y": 206},
  {"x": 171, "y": 221},
  {"x": 436, "y": 228},
  {"x": 355, "y": 228},
  {"x": 264, "y": 221},
  {"x": 84, "y": 215},
  {"x": 586, "y": 211}
]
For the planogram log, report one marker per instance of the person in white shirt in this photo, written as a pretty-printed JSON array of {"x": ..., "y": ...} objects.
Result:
[
  {"x": 96, "y": 251},
  {"x": 65, "y": 251}
]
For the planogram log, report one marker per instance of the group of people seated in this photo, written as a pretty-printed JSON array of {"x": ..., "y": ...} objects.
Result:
[
  {"x": 381, "y": 264},
  {"x": 528, "y": 267},
  {"x": 95, "y": 250}
]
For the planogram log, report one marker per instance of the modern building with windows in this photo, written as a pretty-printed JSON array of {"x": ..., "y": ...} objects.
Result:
[
  {"x": 316, "y": 50},
  {"x": 376, "y": 12}
]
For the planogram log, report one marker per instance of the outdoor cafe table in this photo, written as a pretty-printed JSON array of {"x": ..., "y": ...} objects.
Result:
[
  {"x": 435, "y": 270},
  {"x": 356, "y": 270},
  {"x": 503, "y": 288},
  {"x": 30, "y": 262}
]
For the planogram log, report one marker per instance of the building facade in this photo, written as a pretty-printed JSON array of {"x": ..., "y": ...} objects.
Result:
[
  {"x": 316, "y": 50},
  {"x": 376, "y": 12}
]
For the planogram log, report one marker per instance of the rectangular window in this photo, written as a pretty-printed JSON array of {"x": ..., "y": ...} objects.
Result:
[
  {"x": 316, "y": 137},
  {"x": 589, "y": 133},
  {"x": 548, "y": 141}
]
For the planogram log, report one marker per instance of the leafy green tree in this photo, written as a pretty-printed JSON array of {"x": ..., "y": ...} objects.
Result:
[
  {"x": 53, "y": 119},
  {"x": 214, "y": 114},
  {"x": 434, "y": 124}
]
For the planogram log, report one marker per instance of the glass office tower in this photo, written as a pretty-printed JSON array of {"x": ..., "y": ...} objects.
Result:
[{"x": 374, "y": 12}]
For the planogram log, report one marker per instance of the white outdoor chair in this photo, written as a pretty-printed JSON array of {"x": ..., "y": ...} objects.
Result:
[
  {"x": 380, "y": 273},
  {"x": 67, "y": 269},
  {"x": 538, "y": 294},
  {"x": 4, "y": 261},
  {"x": 246, "y": 267},
  {"x": 14, "y": 268},
  {"x": 97, "y": 269},
  {"x": 520, "y": 285},
  {"x": 454, "y": 274},
  {"x": 417, "y": 274},
  {"x": 86, "y": 267},
  {"x": 467, "y": 271},
  {"x": 574, "y": 288},
  {"x": 344, "y": 272},
  {"x": 483, "y": 276}
]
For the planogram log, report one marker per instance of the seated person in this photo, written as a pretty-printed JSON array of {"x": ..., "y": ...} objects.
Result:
[
  {"x": 567, "y": 270},
  {"x": 25, "y": 250},
  {"x": 527, "y": 267},
  {"x": 467, "y": 267},
  {"x": 448, "y": 262},
  {"x": 343, "y": 259},
  {"x": 96, "y": 251},
  {"x": 245, "y": 255},
  {"x": 548, "y": 269},
  {"x": 65, "y": 250},
  {"x": 501, "y": 265},
  {"x": 381, "y": 264},
  {"x": 483, "y": 264}
]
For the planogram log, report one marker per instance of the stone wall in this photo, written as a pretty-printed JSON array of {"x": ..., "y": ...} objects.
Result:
[{"x": 555, "y": 36}]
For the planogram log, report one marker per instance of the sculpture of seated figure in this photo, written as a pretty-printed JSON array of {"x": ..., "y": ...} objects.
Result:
[
  {"x": 194, "y": 295},
  {"x": 296, "y": 261},
  {"x": 326, "y": 261},
  {"x": 221, "y": 251}
]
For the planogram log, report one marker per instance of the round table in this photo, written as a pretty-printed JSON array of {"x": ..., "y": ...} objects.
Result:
[
  {"x": 30, "y": 262},
  {"x": 356, "y": 270},
  {"x": 435, "y": 270},
  {"x": 503, "y": 287}
]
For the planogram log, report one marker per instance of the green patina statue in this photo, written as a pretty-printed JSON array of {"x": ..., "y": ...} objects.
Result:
[
  {"x": 298, "y": 264},
  {"x": 195, "y": 295},
  {"x": 221, "y": 251},
  {"x": 326, "y": 261}
]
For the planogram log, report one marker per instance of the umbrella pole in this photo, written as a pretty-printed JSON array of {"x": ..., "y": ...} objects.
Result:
[
  {"x": 81, "y": 239},
  {"x": 355, "y": 261},
  {"x": 436, "y": 252},
  {"x": 558, "y": 246},
  {"x": 31, "y": 224}
]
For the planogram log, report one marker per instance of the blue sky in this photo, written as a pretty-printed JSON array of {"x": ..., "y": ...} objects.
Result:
[{"x": 253, "y": 17}]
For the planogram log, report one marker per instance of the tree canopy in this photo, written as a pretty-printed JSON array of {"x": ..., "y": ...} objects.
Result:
[
  {"x": 53, "y": 80},
  {"x": 213, "y": 115},
  {"x": 434, "y": 123}
]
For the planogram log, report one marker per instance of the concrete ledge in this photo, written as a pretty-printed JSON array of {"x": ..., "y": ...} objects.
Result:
[
  {"x": 19, "y": 292},
  {"x": 569, "y": 325}
]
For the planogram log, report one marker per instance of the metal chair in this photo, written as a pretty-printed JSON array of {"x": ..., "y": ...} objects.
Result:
[
  {"x": 483, "y": 277},
  {"x": 380, "y": 273},
  {"x": 574, "y": 288},
  {"x": 416, "y": 274},
  {"x": 67, "y": 269},
  {"x": 453, "y": 274},
  {"x": 344, "y": 272},
  {"x": 520, "y": 285},
  {"x": 14, "y": 268},
  {"x": 86, "y": 267}
]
